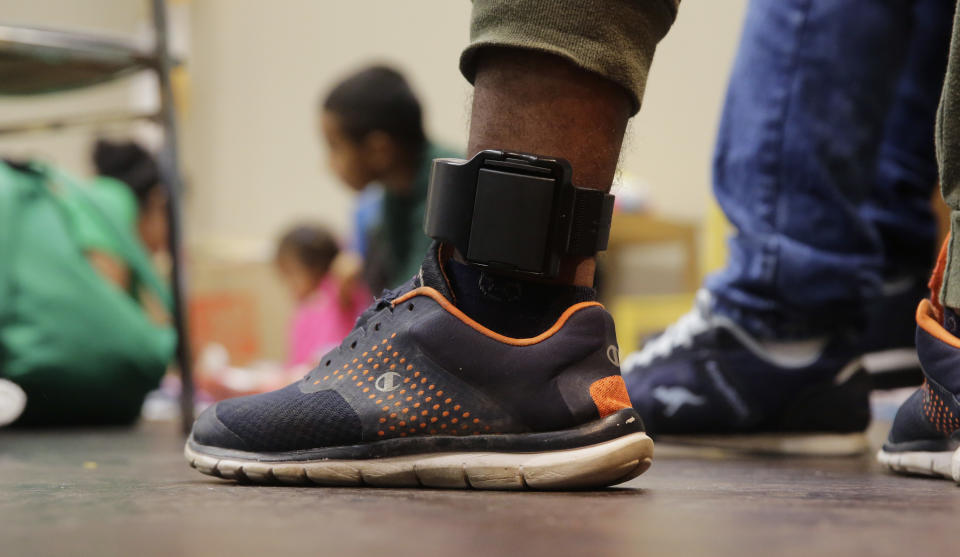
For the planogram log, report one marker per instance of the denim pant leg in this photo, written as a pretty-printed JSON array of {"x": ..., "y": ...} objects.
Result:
[
  {"x": 906, "y": 171},
  {"x": 811, "y": 86}
]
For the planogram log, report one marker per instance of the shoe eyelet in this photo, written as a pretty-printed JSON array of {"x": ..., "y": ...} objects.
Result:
[
  {"x": 410, "y": 306},
  {"x": 327, "y": 364},
  {"x": 376, "y": 327},
  {"x": 353, "y": 345}
]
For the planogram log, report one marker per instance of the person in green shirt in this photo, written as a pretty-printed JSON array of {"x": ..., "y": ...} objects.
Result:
[
  {"x": 96, "y": 235},
  {"x": 372, "y": 124},
  {"x": 77, "y": 335},
  {"x": 135, "y": 196}
]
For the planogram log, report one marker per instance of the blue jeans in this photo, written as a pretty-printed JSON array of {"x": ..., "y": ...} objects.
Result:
[{"x": 825, "y": 160}]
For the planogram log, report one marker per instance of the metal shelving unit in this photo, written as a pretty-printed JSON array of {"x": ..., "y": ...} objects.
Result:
[{"x": 36, "y": 61}]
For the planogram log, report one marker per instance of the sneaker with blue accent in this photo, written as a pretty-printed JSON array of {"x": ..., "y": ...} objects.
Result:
[
  {"x": 420, "y": 394},
  {"x": 925, "y": 434},
  {"x": 707, "y": 382}
]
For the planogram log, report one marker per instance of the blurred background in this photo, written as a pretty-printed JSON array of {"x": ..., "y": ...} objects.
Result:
[{"x": 246, "y": 89}]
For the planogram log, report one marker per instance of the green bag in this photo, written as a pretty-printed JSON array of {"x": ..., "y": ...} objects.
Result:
[{"x": 84, "y": 351}]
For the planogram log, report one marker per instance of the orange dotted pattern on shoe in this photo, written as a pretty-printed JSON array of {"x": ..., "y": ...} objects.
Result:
[
  {"x": 609, "y": 394},
  {"x": 420, "y": 405},
  {"x": 937, "y": 412}
]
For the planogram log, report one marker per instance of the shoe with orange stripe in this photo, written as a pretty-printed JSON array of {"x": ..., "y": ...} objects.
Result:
[
  {"x": 419, "y": 394},
  {"x": 925, "y": 436}
]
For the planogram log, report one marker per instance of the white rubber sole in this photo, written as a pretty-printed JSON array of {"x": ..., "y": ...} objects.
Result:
[
  {"x": 812, "y": 444},
  {"x": 955, "y": 466},
  {"x": 941, "y": 464},
  {"x": 12, "y": 402},
  {"x": 895, "y": 359},
  {"x": 604, "y": 464}
]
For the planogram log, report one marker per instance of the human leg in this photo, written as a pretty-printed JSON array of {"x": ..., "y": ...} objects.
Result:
[
  {"x": 770, "y": 348},
  {"x": 421, "y": 392},
  {"x": 898, "y": 207}
]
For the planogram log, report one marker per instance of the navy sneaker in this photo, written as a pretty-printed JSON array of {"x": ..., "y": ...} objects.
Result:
[
  {"x": 890, "y": 355},
  {"x": 419, "y": 394},
  {"x": 705, "y": 381},
  {"x": 926, "y": 432}
]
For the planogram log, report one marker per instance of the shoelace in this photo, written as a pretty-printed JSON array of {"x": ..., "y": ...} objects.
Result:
[
  {"x": 384, "y": 300},
  {"x": 679, "y": 334},
  {"x": 381, "y": 303}
]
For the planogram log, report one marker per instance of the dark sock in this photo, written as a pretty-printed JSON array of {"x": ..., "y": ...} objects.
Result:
[
  {"x": 951, "y": 321},
  {"x": 512, "y": 307}
]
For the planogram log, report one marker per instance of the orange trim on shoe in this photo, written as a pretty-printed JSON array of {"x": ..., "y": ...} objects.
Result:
[
  {"x": 928, "y": 321},
  {"x": 610, "y": 395},
  {"x": 441, "y": 259},
  {"x": 453, "y": 310},
  {"x": 936, "y": 279}
]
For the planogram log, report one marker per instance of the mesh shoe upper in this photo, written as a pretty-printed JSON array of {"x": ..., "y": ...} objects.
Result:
[
  {"x": 930, "y": 419},
  {"x": 278, "y": 420},
  {"x": 414, "y": 366}
]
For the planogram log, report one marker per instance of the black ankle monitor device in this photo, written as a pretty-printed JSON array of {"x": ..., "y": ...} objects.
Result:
[{"x": 515, "y": 213}]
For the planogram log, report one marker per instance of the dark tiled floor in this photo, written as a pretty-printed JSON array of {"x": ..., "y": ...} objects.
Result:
[{"x": 130, "y": 493}]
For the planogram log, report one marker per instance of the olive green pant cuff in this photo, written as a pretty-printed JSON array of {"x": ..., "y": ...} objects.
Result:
[
  {"x": 613, "y": 38},
  {"x": 950, "y": 289}
]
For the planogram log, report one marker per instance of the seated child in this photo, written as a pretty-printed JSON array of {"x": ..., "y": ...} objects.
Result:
[
  {"x": 77, "y": 340},
  {"x": 329, "y": 298},
  {"x": 373, "y": 127},
  {"x": 135, "y": 167},
  {"x": 329, "y": 302}
]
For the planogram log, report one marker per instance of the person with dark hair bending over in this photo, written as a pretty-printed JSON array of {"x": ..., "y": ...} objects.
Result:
[
  {"x": 133, "y": 165},
  {"x": 372, "y": 124},
  {"x": 86, "y": 336}
]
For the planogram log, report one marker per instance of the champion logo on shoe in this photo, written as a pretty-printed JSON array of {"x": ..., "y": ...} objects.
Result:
[
  {"x": 613, "y": 354},
  {"x": 389, "y": 381},
  {"x": 675, "y": 398}
]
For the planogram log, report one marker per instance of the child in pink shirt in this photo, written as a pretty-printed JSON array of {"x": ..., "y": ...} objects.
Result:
[{"x": 328, "y": 306}]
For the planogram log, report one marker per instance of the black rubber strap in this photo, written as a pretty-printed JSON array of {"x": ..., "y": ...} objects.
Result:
[
  {"x": 514, "y": 212},
  {"x": 592, "y": 216}
]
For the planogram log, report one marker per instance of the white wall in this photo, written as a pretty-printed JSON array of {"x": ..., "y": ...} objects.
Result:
[
  {"x": 70, "y": 148},
  {"x": 670, "y": 142},
  {"x": 257, "y": 68}
]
